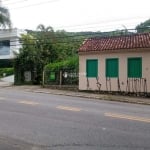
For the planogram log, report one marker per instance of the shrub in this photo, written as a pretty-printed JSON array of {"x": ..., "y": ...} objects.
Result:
[
  {"x": 69, "y": 67},
  {"x": 70, "y": 63},
  {"x": 6, "y": 71}
]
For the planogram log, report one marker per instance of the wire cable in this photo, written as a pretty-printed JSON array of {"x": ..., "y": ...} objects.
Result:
[{"x": 32, "y": 5}]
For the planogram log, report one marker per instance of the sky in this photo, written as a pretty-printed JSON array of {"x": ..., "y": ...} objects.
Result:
[{"x": 78, "y": 15}]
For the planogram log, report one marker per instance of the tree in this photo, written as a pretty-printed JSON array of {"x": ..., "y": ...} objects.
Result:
[
  {"x": 37, "y": 51},
  {"x": 67, "y": 44},
  {"x": 42, "y": 28},
  {"x": 143, "y": 27},
  {"x": 26, "y": 59},
  {"x": 45, "y": 39},
  {"x": 4, "y": 18}
]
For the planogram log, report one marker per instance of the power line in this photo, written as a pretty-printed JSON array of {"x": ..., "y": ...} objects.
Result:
[
  {"x": 72, "y": 36},
  {"x": 36, "y": 4},
  {"x": 12, "y": 3},
  {"x": 21, "y": 44},
  {"x": 78, "y": 34},
  {"x": 103, "y": 21},
  {"x": 66, "y": 36},
  {"x": 78, "y": 25}
]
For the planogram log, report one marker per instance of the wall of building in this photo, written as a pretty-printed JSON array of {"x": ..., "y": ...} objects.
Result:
[
  {"x": 11, "y": 35},
  {"x": 126, "y": 84}
]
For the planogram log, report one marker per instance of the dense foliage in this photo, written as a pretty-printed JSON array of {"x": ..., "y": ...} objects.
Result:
[
  {"x": 71, "y": 63},
  {"x": 6, "y": 63},
  {"x": 6, "y": 71},
  {"x": 143, "y": 27},
  {"x": 4, "y": 18},
  {"x": 45, "y": 48}
]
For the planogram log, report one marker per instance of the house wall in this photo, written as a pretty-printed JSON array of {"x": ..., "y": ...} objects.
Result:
[
  {"x": 132, "y": 85},
  {"x": 13, "y": 36}
]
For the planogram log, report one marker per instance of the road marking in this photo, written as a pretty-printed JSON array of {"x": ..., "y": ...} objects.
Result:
[
  {"x": 68, "y": 108},
  {"x": 28, "y": 103},
  {"x": 134, "y": 118}
]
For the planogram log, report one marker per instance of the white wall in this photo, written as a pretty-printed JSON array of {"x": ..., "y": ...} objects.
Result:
[
  {"x": 13, "y": 36},
  {"x": 123, "y": 57}
]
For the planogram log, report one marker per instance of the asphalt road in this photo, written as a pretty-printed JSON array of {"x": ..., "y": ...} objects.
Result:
[{"x": 38, "y": 121}]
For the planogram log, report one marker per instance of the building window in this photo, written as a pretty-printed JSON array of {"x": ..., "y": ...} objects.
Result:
[
  {"x": 91, "y": 68},
  {"x": 135, "y": 67},
  {"x": 112, "y": 67},
  {"x": 5, "y": 47}
]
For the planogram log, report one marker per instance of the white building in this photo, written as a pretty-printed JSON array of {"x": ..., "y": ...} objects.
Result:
[
  {"x": 9, "y": 43},
  {"x": 119, "y": 63}
]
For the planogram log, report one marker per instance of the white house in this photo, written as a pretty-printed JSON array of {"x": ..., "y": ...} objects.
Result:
[
  {"x": 120, "y": 63},
  {"x": 9, "y": 42}
]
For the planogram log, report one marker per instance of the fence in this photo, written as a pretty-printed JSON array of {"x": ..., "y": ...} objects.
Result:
[{"x": 61, "y": 77}]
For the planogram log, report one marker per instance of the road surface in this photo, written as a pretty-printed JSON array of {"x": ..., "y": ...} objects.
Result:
[{"x": 38, "y": 121}]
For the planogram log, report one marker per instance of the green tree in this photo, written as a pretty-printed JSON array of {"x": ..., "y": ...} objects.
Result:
[
  {"x": 36, "y": 52},
  {"x": 45, "y": 39},
  {"x": 67, "y": 44},
  {"x": 42, "y": 28},
  {"x": 143, "y": 27},
  {"x": 4, "y": 18},
  {"x": 27, "y": 58}
]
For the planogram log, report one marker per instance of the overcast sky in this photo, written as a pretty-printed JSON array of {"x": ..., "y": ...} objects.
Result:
[{"x": 78, "y": 15}]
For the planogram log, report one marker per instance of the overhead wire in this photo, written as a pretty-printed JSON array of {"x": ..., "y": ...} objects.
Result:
[
  {"x": 82, "y": 35},
  {"x": 32, "y": 5},
  {"x": 13, "y": 3},
  {"x": 82, "y": 26},
  {"x": 71, "y": 26},
  {"x": 104, "y": 22},
  {"x": 78, "y": 34}
]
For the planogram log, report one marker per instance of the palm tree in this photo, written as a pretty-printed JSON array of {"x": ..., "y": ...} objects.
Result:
[
  {"x": 42, "y": 28},
  {"x": 45, "y": 33},
  {"x": 4, "y": 18}
]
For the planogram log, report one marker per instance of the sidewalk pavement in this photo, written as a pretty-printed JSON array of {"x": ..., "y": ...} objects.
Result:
[
  {"x": 90, "y": 96},
  {"x": 5, "y": 84},
  {"x": 7, "y": 81}
]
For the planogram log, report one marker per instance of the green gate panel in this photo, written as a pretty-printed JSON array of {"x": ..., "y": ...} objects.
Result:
[
  {"x": 91, "y": 68},
  {"x": 52, "y": 76},
  {"x": 135, "y": 67}
]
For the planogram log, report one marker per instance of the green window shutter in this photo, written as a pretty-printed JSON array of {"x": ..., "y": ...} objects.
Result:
[
  {"x": 135, "y": 67},
  {"x": 112, "y": 67},
  {"x": 91, "y": 68}
]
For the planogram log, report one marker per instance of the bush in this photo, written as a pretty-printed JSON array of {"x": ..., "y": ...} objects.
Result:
[
  {"x": 69, "y": 67},
  {"x": 70, "y": 63},
  {"x": 6, "y": 63},
  {"x": 6, "y": 71}
]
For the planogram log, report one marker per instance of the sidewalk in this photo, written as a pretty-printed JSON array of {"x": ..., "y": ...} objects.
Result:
[
  {"x": 5, "y": 84},
  {"x": 7, "y": 81},
  {"x": 119, "y": 98}
]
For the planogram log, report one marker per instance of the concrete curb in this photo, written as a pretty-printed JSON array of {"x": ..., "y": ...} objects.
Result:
[{"x": 114, "y": 98}]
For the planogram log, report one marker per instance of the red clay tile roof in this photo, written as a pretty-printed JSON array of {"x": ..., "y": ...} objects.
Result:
[{"x": 134, "y": 41}]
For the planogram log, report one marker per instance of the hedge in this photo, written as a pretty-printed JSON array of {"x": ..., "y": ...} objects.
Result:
[
  {"x": 6, "y": 71},
  {"x": 72, "y": 63}
]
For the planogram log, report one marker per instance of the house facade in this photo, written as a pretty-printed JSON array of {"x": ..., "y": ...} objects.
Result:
[
  {"x": 9, "y": 43},
  {"x": 119, "y": 63}
]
